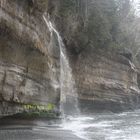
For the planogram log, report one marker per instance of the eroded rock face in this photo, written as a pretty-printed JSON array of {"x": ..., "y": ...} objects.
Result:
[
  {"x": 105, "y": 77},
  {"x": 30, "y": 58},
  {"x": 105, "y": 81},
  {"x": 28, "y": 69}
]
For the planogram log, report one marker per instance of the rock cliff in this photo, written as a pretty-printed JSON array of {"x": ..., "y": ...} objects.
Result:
[
  {"x": 103, "y": 66},
  {"x": 106, "y": 81},
  {"x": 30, "y": 58},
  {"x": 28, "y": 68}
]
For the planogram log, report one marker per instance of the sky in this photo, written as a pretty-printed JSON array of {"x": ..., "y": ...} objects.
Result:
[{"x": 136, "y": 4}]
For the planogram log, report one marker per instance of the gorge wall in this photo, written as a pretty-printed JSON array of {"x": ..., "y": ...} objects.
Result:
[
  {"x": 105, "y": 81},
  {"x": 100, "y": 51},
  {"x": 28, "y": 67},
  {"x": 105, "y": 77}
]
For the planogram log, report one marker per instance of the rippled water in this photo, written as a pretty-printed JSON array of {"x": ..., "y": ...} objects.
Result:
[
  {"x": 101, "y": 126},
  {"x": 123, "y": 126}
]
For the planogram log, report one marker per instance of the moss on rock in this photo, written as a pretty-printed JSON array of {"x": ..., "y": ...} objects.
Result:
[{"x": 38, "y": 111}]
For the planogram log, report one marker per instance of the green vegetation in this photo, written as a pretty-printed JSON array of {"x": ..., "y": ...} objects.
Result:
[
  {"x": 33, "y": 107},
  {"x": 68, "y": 6},
  {"x": 39, "y": 111},
  {"x": 98, "y": 23}
]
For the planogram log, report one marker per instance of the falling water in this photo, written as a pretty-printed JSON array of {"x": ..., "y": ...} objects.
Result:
[{"x": 68, "y": 95}]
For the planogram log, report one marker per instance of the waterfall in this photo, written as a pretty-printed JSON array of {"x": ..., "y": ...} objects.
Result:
[{"x": 68, "y": 93}]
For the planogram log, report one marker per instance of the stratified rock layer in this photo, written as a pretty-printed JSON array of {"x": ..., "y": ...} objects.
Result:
[
  {"x": 104, "y": 73},
  {"x": 106, "y": 81},
  {"x": 26, "y": 73},
  {"x": 30, "y": 57}
]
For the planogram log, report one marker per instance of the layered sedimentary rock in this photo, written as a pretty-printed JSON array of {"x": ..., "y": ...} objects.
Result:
[
  {"x": 29, "y": 69},
  {"x": 105, "y": 78},
  {"x": 105, "y": 81}
]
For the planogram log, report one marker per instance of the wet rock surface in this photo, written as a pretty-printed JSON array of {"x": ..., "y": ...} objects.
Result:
[
  {"x": 30, "y": 57},
  {"x": 33, "y": 130},
  {"x": 105, "y": 76},
  {"x": 26, "y": 75},
  {"x": 107, "y": 83}
]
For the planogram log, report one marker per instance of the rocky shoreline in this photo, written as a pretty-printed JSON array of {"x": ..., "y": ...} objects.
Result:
[{"x": 31, "y": 129}]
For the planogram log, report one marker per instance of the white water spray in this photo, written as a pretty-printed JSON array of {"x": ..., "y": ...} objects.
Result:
[{"x": 67, "y": 83}]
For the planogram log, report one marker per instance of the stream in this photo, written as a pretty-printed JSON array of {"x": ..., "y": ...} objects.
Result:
[{"x": 97, "y": 126}]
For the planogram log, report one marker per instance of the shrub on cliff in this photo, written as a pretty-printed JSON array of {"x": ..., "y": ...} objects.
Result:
[{"x": 93, "y": 23}]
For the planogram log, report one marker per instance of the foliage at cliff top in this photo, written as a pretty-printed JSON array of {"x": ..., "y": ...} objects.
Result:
[{"x": 94, "y": 23}]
